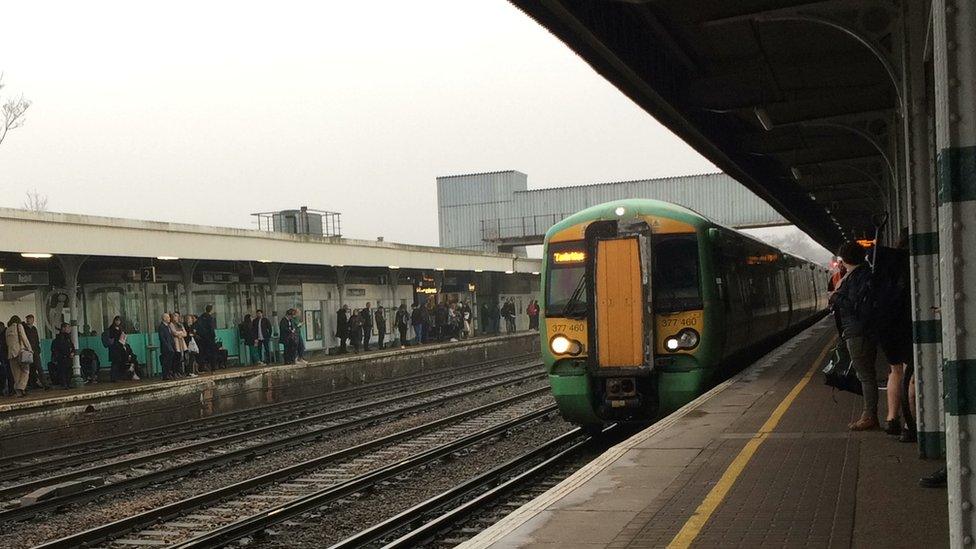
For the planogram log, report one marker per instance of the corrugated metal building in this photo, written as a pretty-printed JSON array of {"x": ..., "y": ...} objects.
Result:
[{"x": 495, "y": 210}]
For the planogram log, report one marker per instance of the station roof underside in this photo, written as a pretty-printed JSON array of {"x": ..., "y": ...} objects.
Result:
[
  {"x": 56, "y": 233},
  {"x": 778, "y": 94}
]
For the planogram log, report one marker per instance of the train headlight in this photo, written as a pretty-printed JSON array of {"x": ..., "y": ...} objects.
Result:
[
  {"x": 685, "y": 339},
  {"x": 562, "y": 345}
]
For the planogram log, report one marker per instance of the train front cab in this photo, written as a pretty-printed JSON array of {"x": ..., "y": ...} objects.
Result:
[{"x": 612, "y": 348}]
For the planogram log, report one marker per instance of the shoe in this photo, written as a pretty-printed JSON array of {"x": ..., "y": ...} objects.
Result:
[
  {"x": 893, "y": 427},
  {"x": 865, "y": 423},
  {"x": 908, "y": 435},
  {"x": 260, "y": 363},
  {"x": 135, "y": 377},
  {"x": 402, "y": 347},
  {"x": 935, "y": 480}
]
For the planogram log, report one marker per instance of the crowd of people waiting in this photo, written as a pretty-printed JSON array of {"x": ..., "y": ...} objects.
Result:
[
  {"x": 870, "y": 297},
  {"x": 188, "y": 344}
]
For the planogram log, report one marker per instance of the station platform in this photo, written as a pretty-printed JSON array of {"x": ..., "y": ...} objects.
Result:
[
  {"x": 763, "y": 459},
  {"x": 48, "y": 419}
]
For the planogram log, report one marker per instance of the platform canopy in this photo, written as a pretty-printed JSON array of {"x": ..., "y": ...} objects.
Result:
[{"x": 799, "y": 101}]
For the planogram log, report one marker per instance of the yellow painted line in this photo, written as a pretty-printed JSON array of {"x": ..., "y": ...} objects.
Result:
[{"x": 697, "y": 520}]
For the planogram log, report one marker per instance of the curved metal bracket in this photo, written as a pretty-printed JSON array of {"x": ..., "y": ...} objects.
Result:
[
  {"x": 853, "y": 33},
  {"x": 857, "y": 131}
]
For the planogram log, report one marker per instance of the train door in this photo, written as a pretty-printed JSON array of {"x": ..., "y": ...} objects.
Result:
[{"x": 620, "y": 299}]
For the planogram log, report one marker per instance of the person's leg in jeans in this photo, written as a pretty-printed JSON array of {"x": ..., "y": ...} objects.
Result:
[
  {"x": 418, "y": 334},
  {"x": 863, "y": 354}
]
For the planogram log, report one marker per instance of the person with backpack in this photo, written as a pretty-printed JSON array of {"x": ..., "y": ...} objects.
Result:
[
  {"x": 852, "y": 302},
  {"x": 402, "y": 321}
]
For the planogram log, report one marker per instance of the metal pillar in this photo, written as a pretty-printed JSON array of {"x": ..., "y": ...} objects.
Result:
[
  {"x": 274, "y": 272},
  {"x": 71, "y": 266},
  {"x": 341, "y": 284},
  {"x": 187, "y": 268},
  {"x": 924, "y": 240},
  {"x": 392, "y": 280},
  {"x": 954, "y": 52}
]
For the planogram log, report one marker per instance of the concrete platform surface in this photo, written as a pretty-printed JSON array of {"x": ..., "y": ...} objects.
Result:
[{"x": 764, "y": 459}]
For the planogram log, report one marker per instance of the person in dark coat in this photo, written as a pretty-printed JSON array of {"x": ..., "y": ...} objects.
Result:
[
  {"x": 380, "y": 317},
  {"x": 261, "y": 331},
  {"x": 37, "y": 378},
  {"x": 533, "y": 313},
  {"x": 115, "y": 351},
  {"x": 508, "y": 311},
  {"x": 367, "y": 318},
  {"x": 62, "y": 353},
  {"x": 342, "y": 327},
  {"x": 441, "y": 322},
  {"x": 851, "y": 301},
  {"x": 402, "y": 322},
  {"x": 167, "y": 346},
  {"x": 128, "y": 358},
  {"x": 288, "y": 335},
  {"x": 245, "y": 332},
  {"x": 207, "y": 336},
  {"x": 6, "y": 376},
  {"x": 355, "y": 329}
]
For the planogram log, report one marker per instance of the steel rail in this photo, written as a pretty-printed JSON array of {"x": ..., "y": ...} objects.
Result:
[
  {"x": 17, "y": 513},
  {"x": 185, "y": 429},
  {"x": 262, "y": 520},
  {"x": 122, "y": 526},
  {"x": 415, "y": 516}
]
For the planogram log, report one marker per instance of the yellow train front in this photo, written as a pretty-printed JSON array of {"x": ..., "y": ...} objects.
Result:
[{"x": 646, "y": 304}]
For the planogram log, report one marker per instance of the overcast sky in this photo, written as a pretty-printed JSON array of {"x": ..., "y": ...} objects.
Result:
[{"x": 205, "y": 112}]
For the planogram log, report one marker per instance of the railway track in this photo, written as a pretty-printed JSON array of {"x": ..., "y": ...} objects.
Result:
[
  {"x": 207, "y": 454},
  {"x": 231, "y": 512},
  {"x": 459, "y": 513},
  {"x": 25, "y": 465}
]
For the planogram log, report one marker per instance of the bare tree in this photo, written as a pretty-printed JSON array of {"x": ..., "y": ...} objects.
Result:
[
  {"x": 35, "y": 202},
  {"x": 12, "y": 113}
]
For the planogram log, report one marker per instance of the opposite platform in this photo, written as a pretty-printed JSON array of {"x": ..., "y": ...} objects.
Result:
[
  {"x": 54, "y": 418},
  {"x": 764, "y": 459}
]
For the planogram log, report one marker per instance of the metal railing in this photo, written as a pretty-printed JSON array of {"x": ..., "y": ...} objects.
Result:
[{"x": 511, "y": 228}]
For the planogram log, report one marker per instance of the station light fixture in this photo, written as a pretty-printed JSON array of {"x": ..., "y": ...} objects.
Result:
[
  {"x": 795, "y": 172},
  {"x": 439, "y": 269},
  {"x": 34, "y": 255},
  {"x": 1, "y": 269},
  {"x": 167, "y": 258},
  {"x": 509, "y": 272},
  {"x": 763, "y": 117},
  {"x": 479, "y": 270},
  {"x": 535, "y": 273},
  {"x": 264, "y": 261},
  {"x": 620, "y": 211},
  {"x": 394, "y": 267}
]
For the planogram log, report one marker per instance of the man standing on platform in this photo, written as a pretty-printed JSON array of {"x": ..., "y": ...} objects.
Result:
[
  {"x": 167, "y": 346},
  {"x": 207, "y": 332},
  {"x": 262, "y": 338},
  {"x": 36, "y": 372},
  {"x": 380, "y": 317},
  {"x": 287, "y": 336},
  {"x": 342, "y": 327},
  {"x": 367, "y": 316}
]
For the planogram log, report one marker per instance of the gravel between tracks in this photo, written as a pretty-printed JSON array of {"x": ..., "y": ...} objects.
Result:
[
  {"x": 47, "y": 526},
  {"x": 337, "y": 521}
]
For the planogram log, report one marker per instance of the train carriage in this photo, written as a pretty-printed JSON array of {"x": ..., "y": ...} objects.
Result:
[{"x": 646, "y": 304}]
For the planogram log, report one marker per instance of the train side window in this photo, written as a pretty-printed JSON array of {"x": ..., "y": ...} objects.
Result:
[{"x": 677, "y": 281}]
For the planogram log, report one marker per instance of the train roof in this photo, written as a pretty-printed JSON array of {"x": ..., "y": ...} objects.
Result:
[{"x": 650, "y": 206}]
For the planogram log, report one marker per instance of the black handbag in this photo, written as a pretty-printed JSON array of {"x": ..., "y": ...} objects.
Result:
[{"x": 839, "y": 372}]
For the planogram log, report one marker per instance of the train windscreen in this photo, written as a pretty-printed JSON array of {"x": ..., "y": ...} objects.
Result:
[
  {"x": 566, "y": 286},
  {"x": 677, "y": 285}
]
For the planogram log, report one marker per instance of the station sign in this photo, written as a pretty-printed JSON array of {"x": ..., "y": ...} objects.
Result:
[
  {"x": 25, "y": 278},
  {"x": 219, "y": 278},
  {"x": 355, "y": 292}
]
